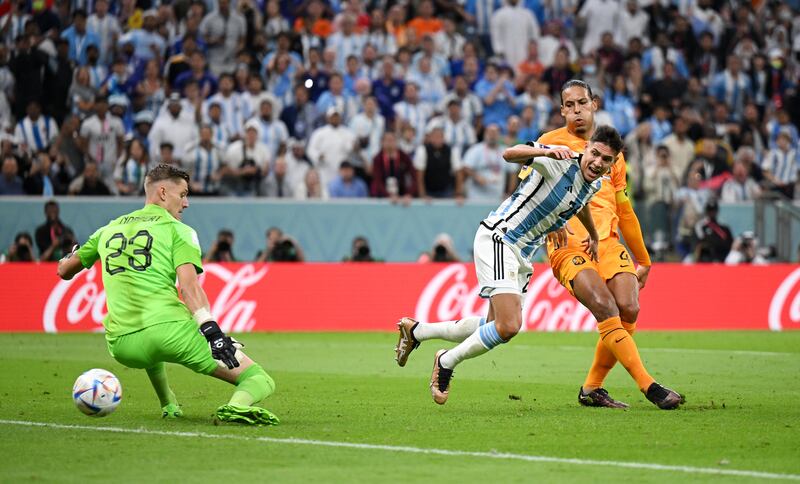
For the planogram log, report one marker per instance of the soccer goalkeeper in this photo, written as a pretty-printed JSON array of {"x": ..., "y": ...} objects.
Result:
[{"x": 147, "y": 325}]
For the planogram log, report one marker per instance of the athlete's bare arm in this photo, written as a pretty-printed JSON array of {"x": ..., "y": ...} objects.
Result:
[
  {"x": 69, "y": 265},
  {"x": 193, "y": 294},
  {"x": 632, "y": 233},
  {"x": 523, "y": 153}
]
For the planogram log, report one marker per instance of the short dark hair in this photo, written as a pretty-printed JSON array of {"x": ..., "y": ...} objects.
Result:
[
  {"x": 576, "y": 83},
  {"x": 608, "y": 136},
  {"x": 166, "y": 172},
  {"x": 22, "y": 235}
]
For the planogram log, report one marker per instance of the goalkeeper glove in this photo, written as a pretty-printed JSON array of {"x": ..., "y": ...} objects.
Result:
[{"x": 222, "y": 347}]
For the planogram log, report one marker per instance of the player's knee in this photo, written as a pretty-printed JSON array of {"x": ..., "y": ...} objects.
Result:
[
  {"x": 509, "y": 328},
  {"x": 629, "y": 310},
  {"x": 603, "y": 306}
]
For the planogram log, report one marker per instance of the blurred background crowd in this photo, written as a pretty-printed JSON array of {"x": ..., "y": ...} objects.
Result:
[{"x": 316, "y": 99}]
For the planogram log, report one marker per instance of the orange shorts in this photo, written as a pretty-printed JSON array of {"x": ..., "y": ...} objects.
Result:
[{"x": 613, "y": 257}]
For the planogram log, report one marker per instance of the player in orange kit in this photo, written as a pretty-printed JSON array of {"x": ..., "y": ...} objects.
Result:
[{"x": 609, "y": 288}]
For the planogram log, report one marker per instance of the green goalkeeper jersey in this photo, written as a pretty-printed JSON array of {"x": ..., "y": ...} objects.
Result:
[{"x": 139, "y": 254}]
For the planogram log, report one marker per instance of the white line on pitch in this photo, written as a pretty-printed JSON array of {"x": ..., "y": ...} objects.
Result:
[{"x": 421, "y": 450}]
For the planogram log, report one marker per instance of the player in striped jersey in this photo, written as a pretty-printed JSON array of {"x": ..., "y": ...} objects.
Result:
[
  {"x": 557, "y": 184},
  {"x": 781, "y": 165}
]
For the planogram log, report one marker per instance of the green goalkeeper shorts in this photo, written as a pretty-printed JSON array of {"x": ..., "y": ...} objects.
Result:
[{"x": 177, "y": 342}]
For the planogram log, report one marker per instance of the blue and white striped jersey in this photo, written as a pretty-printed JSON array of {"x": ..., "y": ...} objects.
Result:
[
  {"x": 784, "y": 165},
  {"x": 543, "y": 203}
]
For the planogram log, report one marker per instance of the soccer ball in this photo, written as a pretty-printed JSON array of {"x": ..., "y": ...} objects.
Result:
[{"x": 97, "y": 392}]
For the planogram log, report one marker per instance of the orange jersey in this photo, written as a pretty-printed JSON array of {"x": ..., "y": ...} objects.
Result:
[
  {"x": 321, "y": 28},
  {"x": 424, "y": 27},
  {"x": 604, "y": 204}
]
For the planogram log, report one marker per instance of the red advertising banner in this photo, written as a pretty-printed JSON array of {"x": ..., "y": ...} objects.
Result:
[{"x": 372, "y": 297}]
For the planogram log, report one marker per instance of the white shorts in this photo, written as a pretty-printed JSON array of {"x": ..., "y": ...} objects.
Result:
[{"x": 499, "y": 266}]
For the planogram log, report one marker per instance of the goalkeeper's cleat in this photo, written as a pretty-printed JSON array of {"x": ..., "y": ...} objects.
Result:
[
  {"x": 599, "y": 397},
  {"x": 406, "y": 343},
  {"x": 172, "y": 410},
  {"x": 663, "y": 397},
  {"x": 246, "y": 415},
  {"x": 440, "y": 379}
]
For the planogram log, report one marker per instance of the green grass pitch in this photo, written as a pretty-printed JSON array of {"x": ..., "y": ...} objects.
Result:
[{"x": 741, "y": 414}]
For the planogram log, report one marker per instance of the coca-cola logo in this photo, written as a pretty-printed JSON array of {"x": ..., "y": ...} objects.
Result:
[
  {"x": 76, "y": 305},
  {"x": 234, "y": 313},
  {"x": 784, "y": 309},
  {"x": 547, "y": 305},
  {"x": 80, "y": 304}
]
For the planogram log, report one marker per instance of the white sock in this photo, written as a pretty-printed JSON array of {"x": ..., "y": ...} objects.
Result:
[
  {"x": 456, "y": 331},
  {"x": 476, "y": 344}
]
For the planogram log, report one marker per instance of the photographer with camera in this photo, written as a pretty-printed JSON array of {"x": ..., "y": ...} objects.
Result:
[
  {"x": 443, "y": 250},
  {"x": 222, "y": 248},
  {"x": 280, "y": 248},
  {"x": 53, "y": 238},
  {"x": 745, "y": 251},
  {"x": 360, "y": 251},
  {"x": 713, "y": 238},
  {"x": 21, "y": 250}
]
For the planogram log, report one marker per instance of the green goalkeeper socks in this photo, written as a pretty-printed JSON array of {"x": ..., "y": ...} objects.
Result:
[
  {"x": 158, "y": 378},
  {"x": 252, "y": 386}
]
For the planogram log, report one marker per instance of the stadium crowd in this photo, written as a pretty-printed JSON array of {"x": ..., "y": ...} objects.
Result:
[{"x": 310, "y": 99}]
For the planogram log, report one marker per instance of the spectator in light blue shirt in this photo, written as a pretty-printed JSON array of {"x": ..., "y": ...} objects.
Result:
[
  {"x": 529, "y": 125},
  {"x": 620, "y": 106},
  {"x": 732, "y": 86},
  {"x": 431, "y": 86},
  {"x": 147, "y": 43},
  {"x": 79, "y": 37},
  {"x": 498, "y": 96},
  {"x": 660, "y": 125},
  {"x": 346, "y": 184}
]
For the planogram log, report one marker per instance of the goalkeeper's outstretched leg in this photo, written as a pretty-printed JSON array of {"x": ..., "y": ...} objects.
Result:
[{"x": 253, "y": 384}]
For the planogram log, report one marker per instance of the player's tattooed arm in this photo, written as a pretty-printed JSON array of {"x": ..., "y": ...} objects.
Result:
[
  {"x": 69, "y": 265},
  {"x": 524, "y": 153},
  {"x": 585, "y": 216},
  {"x": 222, "y": 347},
  {"x": 193, "y": 295}
]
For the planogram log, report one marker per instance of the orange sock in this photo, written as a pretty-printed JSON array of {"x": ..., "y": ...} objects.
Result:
[
  {"x": 604, "y": 361},
  {"x": 621, "y": 344}
]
